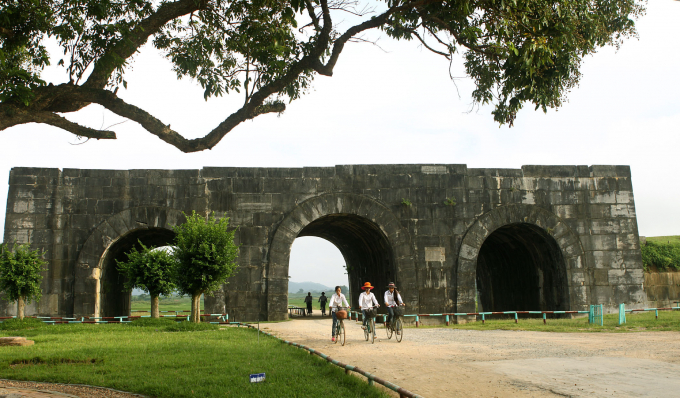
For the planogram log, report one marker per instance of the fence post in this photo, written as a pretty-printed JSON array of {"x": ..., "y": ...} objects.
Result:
[
  {"x": 622, "y": 313},
  {"x": 591, "y": 314}
]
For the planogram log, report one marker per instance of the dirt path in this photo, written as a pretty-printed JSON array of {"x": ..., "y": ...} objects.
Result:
[{"x": 449, "y": 362}]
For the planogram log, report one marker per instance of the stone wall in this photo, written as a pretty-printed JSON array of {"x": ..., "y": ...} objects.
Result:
[
  {"x": 662, "y": 288},
  {"x": 430, "y": 248}
]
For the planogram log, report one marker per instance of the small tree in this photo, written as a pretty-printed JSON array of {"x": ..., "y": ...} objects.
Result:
[
  {"x": 149, "y": 270},
  {"x": 205, "y": 257},
  {"x": 20, "y": 275}
]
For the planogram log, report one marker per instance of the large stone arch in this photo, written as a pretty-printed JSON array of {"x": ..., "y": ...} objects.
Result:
[
  {"x": 89, "y": 266},
  {"x": 366, "y": 213},
  {"x": 568, "y": 242}
]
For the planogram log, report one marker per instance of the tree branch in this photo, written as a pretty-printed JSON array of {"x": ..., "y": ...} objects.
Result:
[
  {"x": 12, "y": 116},
  {"x": 138, "y": 36}
]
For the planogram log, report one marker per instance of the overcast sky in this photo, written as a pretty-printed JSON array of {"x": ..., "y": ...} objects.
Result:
[{"x": 399, "y": 106}]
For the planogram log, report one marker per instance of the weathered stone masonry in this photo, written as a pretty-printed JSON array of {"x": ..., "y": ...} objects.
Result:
[{"x": 539, "y": 237}]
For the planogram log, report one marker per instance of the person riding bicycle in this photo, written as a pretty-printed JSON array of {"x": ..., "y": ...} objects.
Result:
[
  {"x": 392, "y": 300},
  {"x": 366, "y": 301},
  {"x": 337, "y": 301}
]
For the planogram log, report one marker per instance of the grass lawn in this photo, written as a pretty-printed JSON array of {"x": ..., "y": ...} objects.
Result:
[
  {"x": 636, "y": 322},
  {"x": 675, "y": 239},
  {"x": 173, "y": 303},
  {"x": 158, "y": 363}
]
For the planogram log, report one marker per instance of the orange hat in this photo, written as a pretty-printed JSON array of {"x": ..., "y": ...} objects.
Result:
[{"x": 367, "y": 285}]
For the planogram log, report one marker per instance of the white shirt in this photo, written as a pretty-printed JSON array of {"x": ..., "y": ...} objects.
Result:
[
  {"x": 366, "y": 301},
  {"x": 389, "y": 299},
  {"x": 337, "y": 301}
]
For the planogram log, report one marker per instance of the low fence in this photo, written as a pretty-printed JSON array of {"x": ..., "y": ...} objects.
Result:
[
  {"x": 447, "y": 316},
  {"x": 623, "y": 310},
  {"x": 222, "y": 319},
  {"x": 403, "y": 393}
]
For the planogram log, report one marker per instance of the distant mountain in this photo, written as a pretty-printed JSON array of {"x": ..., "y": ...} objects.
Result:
[{"x": 293, "y": 287}]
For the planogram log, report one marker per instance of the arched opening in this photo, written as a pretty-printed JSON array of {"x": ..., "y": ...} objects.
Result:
[
  {"x": 520, "y": 267},
  {"x": 316, "y": 265},
  {"x": 367, "y": 253},
  {"x": 113, "y": 300}
]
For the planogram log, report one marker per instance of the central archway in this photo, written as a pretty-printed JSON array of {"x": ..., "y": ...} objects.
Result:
[
  {"x": 373, "y": 243},
  {"x": 367, "y": 253}
]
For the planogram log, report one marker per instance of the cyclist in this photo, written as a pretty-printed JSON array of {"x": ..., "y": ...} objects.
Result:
[
  {"x": 337, "y": 301},
  {"x": 392, "y": 300},
  {"x": 366, "y": 301}
]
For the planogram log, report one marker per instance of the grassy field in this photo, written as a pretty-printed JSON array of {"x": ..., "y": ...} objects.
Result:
[
  {"x": 298, "y": 300},
  {"x": 158, "y": 363},
  {"x": 665, "y": 239},
  {"x": 174, "y": 303},
  {"x": 636, "y": 322}
]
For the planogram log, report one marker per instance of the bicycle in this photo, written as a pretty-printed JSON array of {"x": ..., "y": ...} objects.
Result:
[
  {"x": 369, "y": 331},
  {"x": 395, "y": 326},
  {"x": 341, "y": 314}
]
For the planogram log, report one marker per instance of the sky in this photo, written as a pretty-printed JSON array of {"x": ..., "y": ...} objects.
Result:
[{"x": 396, "y": 104}]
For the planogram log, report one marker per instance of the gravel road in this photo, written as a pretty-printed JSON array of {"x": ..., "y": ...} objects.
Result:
[{"x": 448, "y": 362}]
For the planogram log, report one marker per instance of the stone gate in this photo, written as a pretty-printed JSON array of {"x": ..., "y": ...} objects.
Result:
[{"x": 452, "y": 238}]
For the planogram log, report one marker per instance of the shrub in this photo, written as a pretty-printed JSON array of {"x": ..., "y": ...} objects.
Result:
[{"x": 662, "y": 256}]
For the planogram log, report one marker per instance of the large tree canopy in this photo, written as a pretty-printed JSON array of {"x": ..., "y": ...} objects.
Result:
[{"x": 268, "y": 51}]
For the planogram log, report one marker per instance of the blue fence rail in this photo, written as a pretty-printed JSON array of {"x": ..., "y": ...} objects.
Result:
[
  {"x": 447, "y": 316},
  {"x": 222, "y": 319},
  {"x": 623, "y": 310}
]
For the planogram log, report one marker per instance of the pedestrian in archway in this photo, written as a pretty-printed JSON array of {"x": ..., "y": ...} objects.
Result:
[
  {"x": 309, "y": 300},
  {"x": 323, "y": 299}
]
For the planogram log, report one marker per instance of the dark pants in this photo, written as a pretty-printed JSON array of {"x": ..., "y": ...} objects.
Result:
[
  {"x": 323, "y": 308},
  {"x": 335, "y": 322},
  {"x": 391, "y": 314},
  {"x": 309, "y": 308}
]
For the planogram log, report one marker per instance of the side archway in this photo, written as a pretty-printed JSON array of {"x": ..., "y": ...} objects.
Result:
[
  {"x": 374, "y": 244},
  {"x": 521, "y": 255},
  {"x": 97, "y": 284}
]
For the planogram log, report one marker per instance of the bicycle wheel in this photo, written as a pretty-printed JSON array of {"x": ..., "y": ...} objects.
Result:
[
  {"x": 388, "y": 330},
  {"x": 341, "y": 333},
  {"x": 399, "y": 329},
  {"x": 337, "y": 332},
  {"x": 371, "y": 332}
]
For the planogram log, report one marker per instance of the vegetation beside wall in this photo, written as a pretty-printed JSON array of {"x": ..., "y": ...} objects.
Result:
[{"x": 661, "y": 254}]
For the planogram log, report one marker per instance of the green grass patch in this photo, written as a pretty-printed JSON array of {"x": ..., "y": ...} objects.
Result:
[
  {"x": 636, "y": 322},
  {"x": 26, "y": 323},
  {"x": 298, "y": 300},
  {"x": 172, "y": 303},
  {"x": 664, "y": 239},
  {"x": 144, "y": 360}
]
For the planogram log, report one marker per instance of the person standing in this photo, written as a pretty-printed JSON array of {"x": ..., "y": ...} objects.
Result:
[
  {"x": 392, "y": 300},
  {"x": 309, "y": 300},
  {"x": 367, "y": 301},
  {"x": 323, "y": 299},
  {"x": 338, "y": 300}
]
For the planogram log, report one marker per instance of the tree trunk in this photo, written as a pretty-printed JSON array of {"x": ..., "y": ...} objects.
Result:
[
  {"x": 196, "y": 307},
  {"x": 21, "y": 304},
  {"x": 155, "y": 313}
]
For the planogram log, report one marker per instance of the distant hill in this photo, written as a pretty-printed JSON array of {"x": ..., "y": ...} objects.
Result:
[{"x": 293, "y": 287}]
